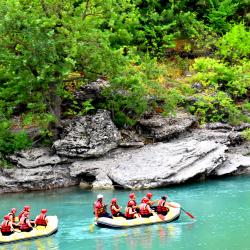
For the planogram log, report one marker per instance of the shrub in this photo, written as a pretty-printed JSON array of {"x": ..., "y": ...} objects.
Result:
[
  {"x": 11, "y": 142},
  {"x": 234, "y": 45},
  {"x": 246, "y": 134}
]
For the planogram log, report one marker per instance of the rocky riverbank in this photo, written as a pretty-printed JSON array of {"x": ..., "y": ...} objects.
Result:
[{"x": 93, "y": 153}]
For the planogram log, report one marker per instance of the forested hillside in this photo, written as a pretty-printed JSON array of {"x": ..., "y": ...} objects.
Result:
[{"x": 157, "y": 56}]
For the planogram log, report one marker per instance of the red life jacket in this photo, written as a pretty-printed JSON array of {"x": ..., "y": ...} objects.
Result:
[
  {"x": 100, "y": 208},
  {"x": 5, "y": 227},
  {"x": 13, "y": 217},
  {"x": 20, "y": 215},
  {"x": 133, "y": 201},
  {"x": 40, "y": 220},
  {"x": 113, "y": 212},
  {"x": 23, "y": 224},
  {"x": 161, "y": 208},
  {"x": 127, "y": 214},
  {"x": 144, "y": 209}
]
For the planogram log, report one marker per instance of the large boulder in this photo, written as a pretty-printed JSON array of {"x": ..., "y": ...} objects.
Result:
[
  {"x": 89, "y": 136},
  {"x": 160, "y": 128},
  {"x": 163, "y": 164}
]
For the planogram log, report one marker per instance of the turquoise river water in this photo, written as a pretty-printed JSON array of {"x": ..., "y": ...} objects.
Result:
[{"x": 221, "y": 208}]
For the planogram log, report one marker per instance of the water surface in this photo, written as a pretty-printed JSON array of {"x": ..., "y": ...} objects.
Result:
[{"x": 221, "y": 208}]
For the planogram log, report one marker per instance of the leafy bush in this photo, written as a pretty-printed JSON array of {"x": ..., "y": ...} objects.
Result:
[
  {"x": 140, "y": 88},
  {"x": 234, "y": 45},
  {"x": 216, "y": 75},
  {"x": 214, "y": 108},
  {"x": 11, "y": 142},
  {"x": 222, "y": 86},
  {"x": 246, "y": 134},
  {"x": 220, "y": 14}
]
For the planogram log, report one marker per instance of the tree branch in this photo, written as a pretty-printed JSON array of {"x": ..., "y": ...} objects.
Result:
[
  {"x": 84, "y": 14},
  {"x": 44, "y": 8}
]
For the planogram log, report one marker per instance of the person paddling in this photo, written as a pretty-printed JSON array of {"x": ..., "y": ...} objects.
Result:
[
  {"x": 25, "y": 224},
  {"x": 132, "y": 198},
  {"x": 6, "y": 226},
  {"x": 41, "y": 219},
  {"x": 25, "y": 209},
  {"x": 12, "y": 215},
  {"x": 145, "y": 210},
  {"x": 162, "y": 207},
  {"x": 150, "y": 203},
  {"x": 115, "y": 209},
  {"x": 130, "y": 212},
  {"x": 100, "y": 208}
]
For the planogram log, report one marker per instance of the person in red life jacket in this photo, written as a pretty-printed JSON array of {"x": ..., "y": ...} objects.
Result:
[
  {"x": 151, "y": 203},
  {"x": 6, "y": 226},
  {"x": 115, "y": 209},
  {"x": 25, "y": 224},
  {"x": 130, "y": 212},
  {"x": 145, "y": 210},
  {"x": 100, "y": 208},
  {"x": 41, "y": 219},
  {"x": 132, "y": 198},
  {"x": 162, "y": 207},
  {"x": 12, "y": 215},
  {"x": 25, "y": 209}
]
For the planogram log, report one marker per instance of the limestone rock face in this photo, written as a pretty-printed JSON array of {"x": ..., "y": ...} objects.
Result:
[
  {"x": 186, "y": 154},
  {"x": 36, "y": 157},
  {"x": 163, "y": 164},
  {"x": 161, "y": 128},
  {"x": 89, "y": 136},
  {"x": 39, "y": 178}
]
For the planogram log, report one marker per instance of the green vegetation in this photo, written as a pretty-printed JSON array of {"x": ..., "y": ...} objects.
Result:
[
  {"x": 246, "y": 134},
  {"x": 50, "y": 48}
]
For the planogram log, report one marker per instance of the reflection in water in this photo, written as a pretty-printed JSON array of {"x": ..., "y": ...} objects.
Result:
[
  {"x": 146, "y": 237},
  {"x": 38, "y": 244}
]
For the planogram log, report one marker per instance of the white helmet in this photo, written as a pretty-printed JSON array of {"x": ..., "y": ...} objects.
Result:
[{"x": 99, "y": 196}]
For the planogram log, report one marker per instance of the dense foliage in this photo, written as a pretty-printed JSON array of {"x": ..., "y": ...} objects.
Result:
[{"x": 45, "y": 45}]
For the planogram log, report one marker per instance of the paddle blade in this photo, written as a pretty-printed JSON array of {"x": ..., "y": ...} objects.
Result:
[
  {"x": 91, "y": 227},
  {"x": 187, "y": 213}
]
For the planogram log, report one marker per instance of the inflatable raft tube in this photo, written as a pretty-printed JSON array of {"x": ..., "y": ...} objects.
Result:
[
  {"x": 120, "y": 222},
  {"x": 37, "y": 232}
]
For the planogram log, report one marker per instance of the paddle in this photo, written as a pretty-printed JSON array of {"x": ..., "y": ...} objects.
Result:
[
  {"x": 187, "y": 213},
  {"x": 91, "y": 227}
]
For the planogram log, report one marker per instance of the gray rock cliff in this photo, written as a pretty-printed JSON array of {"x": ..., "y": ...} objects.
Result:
[{"x": 94, "y": 154}]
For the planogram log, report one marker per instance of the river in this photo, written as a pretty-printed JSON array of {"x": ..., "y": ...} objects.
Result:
[{"x": 221, "y": 208}]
